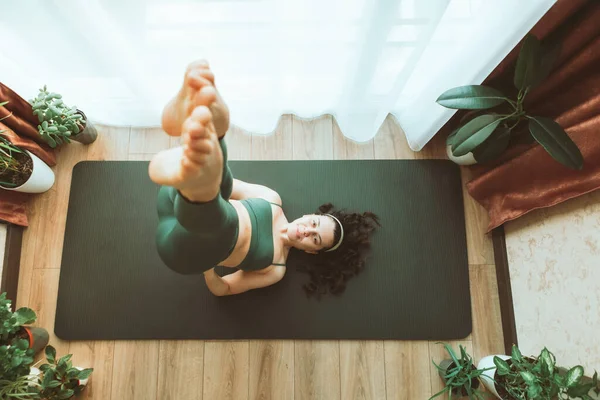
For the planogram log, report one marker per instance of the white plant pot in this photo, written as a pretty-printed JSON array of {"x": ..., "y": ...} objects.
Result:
[
  {"x": 467, "y": 159},
  {"x": 41, "y": 179},
  {"x": 85, "y": 381},
  {"x": 488, "y": 377},
  {"x": 34, "y": 376}
]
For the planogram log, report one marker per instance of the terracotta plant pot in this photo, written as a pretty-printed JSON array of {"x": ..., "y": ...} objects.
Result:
[
  {"x": 40, "y": 180},
  {"x": 449, "y": 364},
  {"x": 88, "y": 134},
  {"x": 37, "y": 337}
]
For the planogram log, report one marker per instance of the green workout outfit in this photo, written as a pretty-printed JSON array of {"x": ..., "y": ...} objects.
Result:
[{"x": 192, "y": 238}]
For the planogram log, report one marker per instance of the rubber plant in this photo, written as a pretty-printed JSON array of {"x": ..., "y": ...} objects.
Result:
[
  {"x": 460, "y": 376},
  {"x": 60, "y": 123},
  {"x": 525, "y": 378},
  {"x": 487, "y": 134}
]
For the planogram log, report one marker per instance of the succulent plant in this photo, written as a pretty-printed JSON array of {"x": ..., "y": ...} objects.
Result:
[{"x": 58, "y": 122}]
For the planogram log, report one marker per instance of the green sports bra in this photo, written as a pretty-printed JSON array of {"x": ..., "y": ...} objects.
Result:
[{"x": 260, "y": 254}]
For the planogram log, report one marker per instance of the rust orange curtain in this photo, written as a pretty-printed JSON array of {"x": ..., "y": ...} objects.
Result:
[
  {"x": 526, "y": 177},
  {"x": 21, "y": 129}
]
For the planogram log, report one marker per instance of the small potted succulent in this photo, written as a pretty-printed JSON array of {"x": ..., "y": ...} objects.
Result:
[
  {"x": 21, "y": 170},
  {"x": 12, "y": 326},
  {"x": 527, "y": 378},
  {"x": 60, "y": 123},
  {"x": 484, "y": 135},
  {"x": 459, "y": 375},
  {"x": 59, "y": 379}
]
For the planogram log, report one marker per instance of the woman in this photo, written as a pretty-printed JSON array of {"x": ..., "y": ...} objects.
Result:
[{"x": 207, "y": 218}]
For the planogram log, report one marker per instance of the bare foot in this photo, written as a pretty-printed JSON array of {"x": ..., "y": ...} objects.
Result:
[
  {"x": 198, "y": 89},
  {"x": 196, "y": 168}
]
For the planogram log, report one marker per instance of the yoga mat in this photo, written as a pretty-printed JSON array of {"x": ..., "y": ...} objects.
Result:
[{"x": 113, "y": 284}]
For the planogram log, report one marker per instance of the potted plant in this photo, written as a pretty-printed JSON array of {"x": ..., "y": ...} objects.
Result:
[
  {"x": 15, "y": 378},
  {"x": 60, "y": 123},
  {"x": 11, "y": 326},
  {"x": 21, "y": 170},
  {"x": 59, "y": 379},
  {"x": 459, "y": 375},
  {"x": 526, "y": 378},
  {"x": 484, "y": 135}
]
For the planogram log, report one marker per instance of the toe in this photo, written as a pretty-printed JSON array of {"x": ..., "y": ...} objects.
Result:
[
  {"x": 206, "y": 96},
  {"x": 200, "y": 146},
  {"x": 201, "y": 114},
  {"x": 207, "y": 74},
  {"x": 194, "y": 129}
]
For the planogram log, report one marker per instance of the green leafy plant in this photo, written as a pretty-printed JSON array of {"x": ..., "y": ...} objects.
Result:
[
  {"x": 487, "y": 135},
  {"x": 60, "y": 379},
  {"x": 460, "y": 376},
  {"x": 11, "y": 322},
  {"x": 8, "y": 162},
  {"x": 58, "y": 122},
  {"x": 15, "y": 360},
  {"x": 22, "y": 388},
  {"x": 525, "y": 378}
]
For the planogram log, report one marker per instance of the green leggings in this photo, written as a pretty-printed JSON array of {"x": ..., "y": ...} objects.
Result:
[{"x": 194, "y": 237}]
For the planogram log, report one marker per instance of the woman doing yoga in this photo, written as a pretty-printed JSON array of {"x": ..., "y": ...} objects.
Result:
[{"x": 208, "y": 218}]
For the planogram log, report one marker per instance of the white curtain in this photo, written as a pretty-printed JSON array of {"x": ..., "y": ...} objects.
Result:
[{"x": 121, "y": 60}]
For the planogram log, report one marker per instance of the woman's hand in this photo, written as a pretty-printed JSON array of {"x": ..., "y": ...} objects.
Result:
[{"x": 216, "y": 284}]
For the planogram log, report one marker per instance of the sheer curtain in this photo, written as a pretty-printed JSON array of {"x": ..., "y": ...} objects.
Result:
[{"x": 121, "y": 60}]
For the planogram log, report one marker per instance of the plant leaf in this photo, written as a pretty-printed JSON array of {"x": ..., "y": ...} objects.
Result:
[
  {"x": 503, "y": 368},
  {"x": 48, "y": 378},
  {"x": 84, "y": 374},
  {"x": 51, "y": 354},
  {"x": 493, "y": 147},
  {"x": 471, "y": 97},
  {"x": 548, "y": 56},
  {"x": 25, "y": 316},
  {"x": 66, "y": 394},
  {"x": 547, "y": 360},
  {"x": 528, "y": 377},
  {"x": 450, "y": 138},
  {"x": 53, "y": 384},
  {"x": 534, "y": 391},
  {"x": 574, "y": 376},
  {"x": 580, "y": 390},
  {"x": 555, "y": 140},
  {"x": 527, "y": 63},
  {"x": 516, "y": 354},
  {"x": 474, "y": 132}
]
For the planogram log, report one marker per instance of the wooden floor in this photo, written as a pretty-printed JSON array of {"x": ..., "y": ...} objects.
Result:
[{"x": 256, "y": 369}]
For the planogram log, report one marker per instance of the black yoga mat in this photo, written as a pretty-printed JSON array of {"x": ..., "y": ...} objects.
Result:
[{"x": 113, "y": 285}]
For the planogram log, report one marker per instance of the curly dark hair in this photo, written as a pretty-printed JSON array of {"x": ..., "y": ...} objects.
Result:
[{"x": 329, "y": 271}]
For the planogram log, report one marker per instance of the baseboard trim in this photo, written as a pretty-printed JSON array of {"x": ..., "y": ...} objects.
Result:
[
  {"x": 12, "y": 262},
  {"x": 507, "y": 311}
]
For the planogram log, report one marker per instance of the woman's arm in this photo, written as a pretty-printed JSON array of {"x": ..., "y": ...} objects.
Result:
[
  {"x": 242, "y": 281},
  {"x": 244, "y": 190}
]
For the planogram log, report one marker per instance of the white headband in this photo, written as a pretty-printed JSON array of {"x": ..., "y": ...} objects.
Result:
[{"x": 341, "y": 236}]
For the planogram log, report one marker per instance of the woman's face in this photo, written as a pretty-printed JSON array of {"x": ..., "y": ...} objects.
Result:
[{"x": 312, "y": 233}]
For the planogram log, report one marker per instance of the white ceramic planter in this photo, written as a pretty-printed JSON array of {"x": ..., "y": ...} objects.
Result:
[
  {"x": 34, "y": 376},
  {"x": 41, "y": 179},
  {"x": 85, "y": 381},
  {"x": 467, "y": 159},
  {"x": 489, "y": 376}
]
